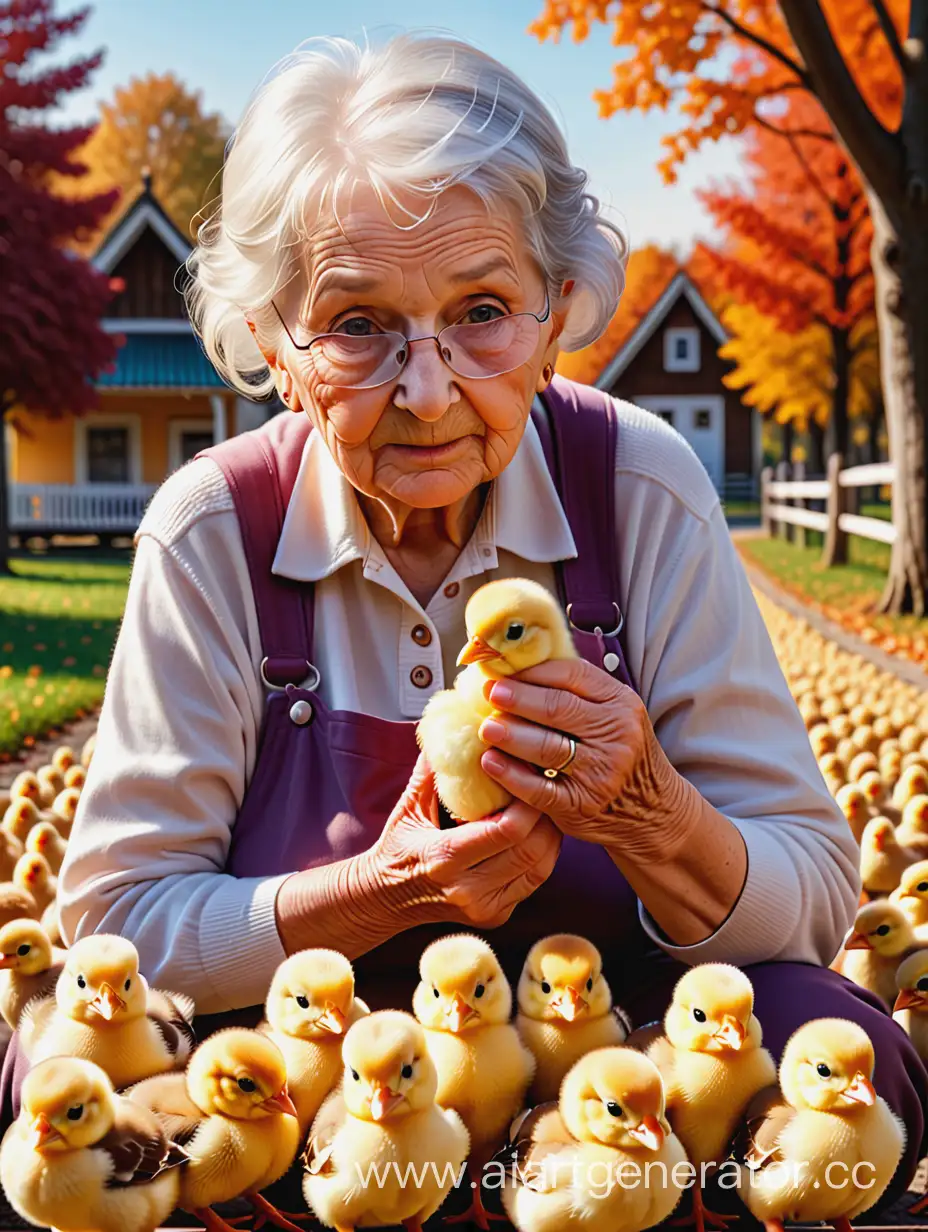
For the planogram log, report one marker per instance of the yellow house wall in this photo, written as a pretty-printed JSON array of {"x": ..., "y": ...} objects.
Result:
[{"x": 44, "y": 451}]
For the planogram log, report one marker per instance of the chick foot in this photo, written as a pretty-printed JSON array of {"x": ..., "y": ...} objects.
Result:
[
  {"x": 476, "y": 1213},
  {"x": 211, "y": 1221},
  {"x": 701, "y": 1217},
  {"x": 293, "y": 1216},
  {"x": 268, "y": 1213}
]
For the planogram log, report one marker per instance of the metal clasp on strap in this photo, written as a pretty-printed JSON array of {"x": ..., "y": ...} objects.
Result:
[
  {"x": 619, "y": 618},
  {"x": 310, "y": 683}
]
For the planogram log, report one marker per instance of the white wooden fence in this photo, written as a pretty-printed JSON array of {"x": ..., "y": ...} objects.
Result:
[
  {"x": 87, "y": 507},
  {"x": 783, "y": 502}
]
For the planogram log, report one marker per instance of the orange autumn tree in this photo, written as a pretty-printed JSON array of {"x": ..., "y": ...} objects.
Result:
[{"x": 866, "y": 61}]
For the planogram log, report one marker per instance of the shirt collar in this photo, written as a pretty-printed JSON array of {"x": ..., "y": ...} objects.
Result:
[{"x": 324, "y": 528}]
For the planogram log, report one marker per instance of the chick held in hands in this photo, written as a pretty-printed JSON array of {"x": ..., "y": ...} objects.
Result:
[
  {"x": 383, "y": 1124},
  {"x": 513, "y": 625},
  {"x": 80, "y": 1157},
  {"x": 603, "y": 1158},
  {"x": 564, "y": 1009}
]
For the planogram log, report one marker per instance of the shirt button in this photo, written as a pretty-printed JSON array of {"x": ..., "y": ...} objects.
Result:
[
  {"x": 451, "y": 590},
  {"x": 421, "y": 636},
  {"x": 421, "y": 677},
  {"x": 300, "y": 713}
]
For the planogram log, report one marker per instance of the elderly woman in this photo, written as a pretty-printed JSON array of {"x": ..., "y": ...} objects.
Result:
[{"x": 402, "y": 249}]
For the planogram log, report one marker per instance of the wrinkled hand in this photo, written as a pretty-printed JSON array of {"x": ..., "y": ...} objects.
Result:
[
  {"x": 620, "y": 776},
  {"x": 476, "y": 873}
]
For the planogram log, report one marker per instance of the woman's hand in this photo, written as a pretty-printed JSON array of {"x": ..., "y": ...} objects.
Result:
[{"x": 619, "y": 791}]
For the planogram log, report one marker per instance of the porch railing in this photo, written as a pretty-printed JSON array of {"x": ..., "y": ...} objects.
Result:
[{"x": 88, "y": 507}]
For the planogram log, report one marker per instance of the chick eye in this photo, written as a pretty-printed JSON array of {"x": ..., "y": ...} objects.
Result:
[
  {"x": 589, "y": 984},
  {"x": 355, "y": 1075},
  {"x": 515, "y": 631},
  {"x": 247, "y": 1085},
  {"x": 922, "y": 887},
  {"x": 303, "y": 1002},
  {"x": 699, "y": 1015},
  {"x": 75, "y": 1113},
  {"x": 545, "y": 987},
  {"x": 81, "y": 982},
  {"x": 127, "y": 985},
  {"x": 883, "y": 931},
  {"x": 822, "y": 1070},
  {"x": 406, "y": 1071},
  {"x": 23, "y": 950},
  {"x": 435, "y": 991},
  {"x": 479, "y": 990},
  {"x": 922, "y": 984},
  {"x": 613, "y": 1108}
]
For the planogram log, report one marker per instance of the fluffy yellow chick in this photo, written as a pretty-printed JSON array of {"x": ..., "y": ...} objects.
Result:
[
  {"x": 11, "y": 848},
  {"x": 87, "y": 751},
  {"x": 310, "y": 1006},
  {"x": 104, "y": 1011},
  {"x": 882, "y": 859},
  {"x": 855, "y": 807},
  {"x": 44, "y": 840},
  {"x": 484, "y": 1070},
  {"x": 912, "y": 893},
  {"x": 25, "y": 786},
  {"x": 51, "y": 782},
  {"x": 383, "y": 1122},
  {"x": 881, "y": 937},
  {"x": 80, "y": 1157},
  {"x": 75, "y": 777},
  {"x": 29, "y": 967},
  {"x": 233, "y": 1115},
  {"x": 64, "y": 758},
  {"x": 20, "y": 817},
  {"x": 827, "y": 1122},
  {"x": 564, "y": 1009},
  {"x": 823, "y": 739},
  {"x": 32, "y": 873},
  {"x": 912, "y": 782},
  {"x": 609, "y": 1123},
  {"x": 63, "y": 811},
  {"x": 912, "y": 831},
  {"x": 910, "y": 1009},
  {"x": 874, "y": 789},
  {"x": 712, "y": 1061},
  {"x": 16, "y": 903},
  {"x": 513, "y": 625}
]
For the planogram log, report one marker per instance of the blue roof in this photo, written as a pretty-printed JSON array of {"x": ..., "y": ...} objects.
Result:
[{"x": 161, "y": 361}]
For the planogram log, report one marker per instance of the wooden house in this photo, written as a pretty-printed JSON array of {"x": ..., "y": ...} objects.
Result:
[{"x": 670, "y": 365}]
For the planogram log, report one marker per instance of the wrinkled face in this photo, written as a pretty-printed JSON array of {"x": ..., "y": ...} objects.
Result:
[
  {"x": 388, "y": 1070},
  {"x": 710, "y": 1013},
  {"x": 462, "y": 987},
  {"x": 101, "y": 984},
  {"x": 67, "y": 1104},
  {"x": 615, "y": 1097},
  {"x": 311, "y": 998},
  {"x": 428, "y": 437},
  {"x": 24, "y": 948},
  {"x": 563, "y": 984}
]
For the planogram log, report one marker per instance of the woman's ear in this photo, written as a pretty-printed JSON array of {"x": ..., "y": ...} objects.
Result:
[
  {"x": 282, "y": 378},
  {"x": 552, "y": 350}
]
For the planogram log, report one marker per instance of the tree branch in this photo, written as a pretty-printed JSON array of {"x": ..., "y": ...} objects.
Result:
[
  {"x": 758, "y": 40},
  {"x": 890, "y": 33},
  {"x": 877, "y": 152}
]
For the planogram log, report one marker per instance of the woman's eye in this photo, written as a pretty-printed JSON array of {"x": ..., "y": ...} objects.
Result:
[
  {"x": 545, "y": 987},
  {"x": 75, "y": 1113},
  {"x": 515, "y": 631},
  {"x": 247, "y": 1085},
  {"x": 356, "y": 327},
  {"x": 822, "y": 1070},
  {"x": 482, "y": 314},
  {"x": 613, "y": 1108},
  {"x": 303, "y": 1002},
  {"x": 699, "y": 1015},
  {"x": 23, "y": 950},
  {"x": 407, "y": 1071},
  {"x": 479, "y": 990},
  {"x": 81, "y": 982}
]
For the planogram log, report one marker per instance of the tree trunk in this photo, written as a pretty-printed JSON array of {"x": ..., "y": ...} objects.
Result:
[
  {"x": 815, "y": 463},
  {"x": 900, "y": 269},
  {"x": 840, "y": 422},
  {"x": 786, "y": 439},
  {"x": 4, "y": 499}
]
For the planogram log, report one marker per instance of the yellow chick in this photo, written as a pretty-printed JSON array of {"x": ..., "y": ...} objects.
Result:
[
  {"x": 882, "y": 859},
  {"x": 581, "y": 1165},
  {"x": 80, "y": 1157},
  {"x": 881, "y": 937},
  {"x": 44, "y": 840},
  {"x": 464, "y": 1002},
  {"x": 63, "y": 811},
  {"x": 383, "y": 1123},
  {"x": 11, "y": 848},
  {"x": 104, "y": 1011},
  {"x": 712, "y": 1061},
  {"x": 75, "y": 777},
  {"x": 912, "y": 782},
  {"x": 310, "y": 1006},
  {"x": 861, "y": 764},
  {"x": 50, "y": 783},
  {"x": 828, "y": 1115},
  {"x": 912, "y": 831},
  {"x": 910, "y": 1009},
  {"x": 29, "y": 967},
  {"x": 88, "y": 750},
  {"x": 32, "y": 873},
  {"x": 25, "y": 786},
  {"x": 20, "y": 817},
  {"x": 912, "y": 893},
  {"x": 64, "y": 758},
  {"x": 233, "y": 1115},
  {"x": 513, "y": 625},
  {"x": 823, "y": 739},
  {"x": 564, "y": 1009},
  {"x": 16, "y": 903},
  {"x": 855, "y": 807},
  {"x": 872, "y": 785}
]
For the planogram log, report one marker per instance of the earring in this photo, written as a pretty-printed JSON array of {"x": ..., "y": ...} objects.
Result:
[{"x": 547, "y": 373}]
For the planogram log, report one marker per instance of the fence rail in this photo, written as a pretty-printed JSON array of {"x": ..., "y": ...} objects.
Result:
[
  {"x": 783, "y": 503},
  {"x": 93, "y": 507}
]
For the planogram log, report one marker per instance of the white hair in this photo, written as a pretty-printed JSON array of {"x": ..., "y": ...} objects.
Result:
[{"x": 414, "y": 116}]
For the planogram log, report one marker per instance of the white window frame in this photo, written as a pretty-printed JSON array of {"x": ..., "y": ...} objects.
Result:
[
  {"x": 97, "y": 419},
  {"x": 176, "y": 430},
  {"x": 693, "y": 360}
]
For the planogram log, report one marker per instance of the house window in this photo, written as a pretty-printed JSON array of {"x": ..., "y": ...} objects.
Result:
[
  {"x": 681, "y": 350},
  {"x": 192, "y": 442},
  {"x": 667, "y": 417},
  {"x": 702, "y": 419},
  {"x": 107, "y": 455}
]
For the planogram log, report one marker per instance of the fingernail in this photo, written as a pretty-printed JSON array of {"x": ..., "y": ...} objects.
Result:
[
  {"x": 492, "y": 760},
  {"x": 501, "y": 694},
  {"x": 492, "y": 731}
]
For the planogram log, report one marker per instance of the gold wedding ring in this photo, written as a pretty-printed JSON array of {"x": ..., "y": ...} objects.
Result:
[{"x": 554, "y": 771}]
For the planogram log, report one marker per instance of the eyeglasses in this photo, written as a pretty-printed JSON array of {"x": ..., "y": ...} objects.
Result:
[{"x": 477, "y": 351}]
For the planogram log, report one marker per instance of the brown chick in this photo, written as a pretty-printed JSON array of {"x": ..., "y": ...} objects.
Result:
[
  {"x": 44, "y": 840},
  {"x": 912, "y": 893},
  {"x": 880, "y": 939},
  {"x": 16, "y": 903},
  {"x": 29, "y": 967},
  {"x": 883, "y": 859},
  {"x": 32, "y": 873}
]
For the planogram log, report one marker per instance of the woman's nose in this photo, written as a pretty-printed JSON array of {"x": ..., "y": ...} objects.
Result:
[{"x": 426, "y": 386}]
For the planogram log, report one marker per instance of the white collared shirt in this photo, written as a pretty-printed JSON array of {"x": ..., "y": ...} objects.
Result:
[{"x": 181, "y": 718}]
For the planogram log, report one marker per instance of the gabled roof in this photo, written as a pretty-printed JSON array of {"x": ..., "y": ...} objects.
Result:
[
  {"x": 680, "y": 284},
  {"x": 161, "y": 361},
  {"x": 143, "y": 212}
]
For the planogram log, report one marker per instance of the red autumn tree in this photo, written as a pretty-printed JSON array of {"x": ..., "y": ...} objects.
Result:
[{"x": 53, "y": 346}]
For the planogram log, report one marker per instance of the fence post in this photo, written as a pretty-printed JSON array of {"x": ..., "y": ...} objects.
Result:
[
  {"x": 783, "y": 476},
  {"x": 799, "y": 532},
  {"x": 835, "y": 550},
  {"x": 765, "y": 477}
]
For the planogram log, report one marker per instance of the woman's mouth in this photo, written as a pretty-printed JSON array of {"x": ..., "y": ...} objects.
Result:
[{"x": 434, "y": 455}]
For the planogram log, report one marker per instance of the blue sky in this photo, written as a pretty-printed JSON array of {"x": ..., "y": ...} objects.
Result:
[{"x": 224, "y": 48}]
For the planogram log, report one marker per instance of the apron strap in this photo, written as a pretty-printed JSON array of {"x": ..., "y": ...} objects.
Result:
[
  {"x": 578, "y": 434},
  {"x": 260, "y": 468}
]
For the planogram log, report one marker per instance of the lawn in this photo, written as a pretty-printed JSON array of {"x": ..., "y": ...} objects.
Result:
[{"x": 58, "y": 623}]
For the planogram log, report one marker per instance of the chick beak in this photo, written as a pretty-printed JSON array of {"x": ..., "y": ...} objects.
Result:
[
  {"x": 108, "y": 1002},
  {"x": 383, "y": 1101},
  {"x": 570, "y": 1004},
  {"x": 908, "y": 999},
  {"x": 861, "y": 1090},
  {"x": 731, "y": 1034},
  {"x": 650, "y": 1133},
  {"x": 477, "y": 651},
  {"x": 332, "y": 1019},
  {"x": 41, "y": 1132},
  {"x": 857, "y": 941},
  {"x": 7, "y": 961},
  {"x": 281, "y": 1102},
  {"x": 458, "y": 1012}
]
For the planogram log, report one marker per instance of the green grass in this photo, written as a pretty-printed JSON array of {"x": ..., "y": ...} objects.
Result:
[
  {"x": 58, "y": 623},
  {"x": 742, "y": 509}
]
